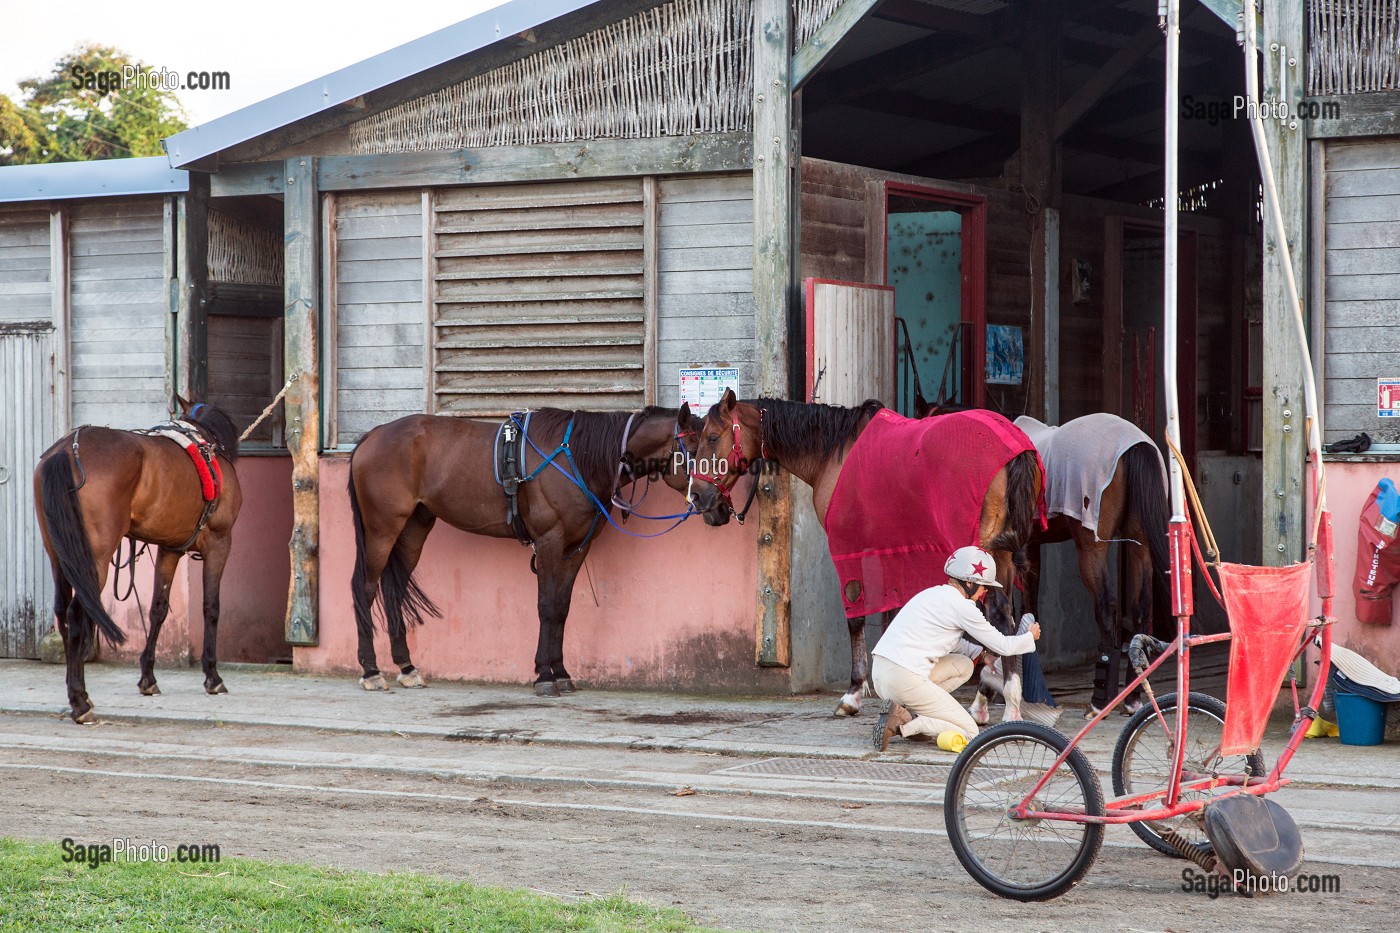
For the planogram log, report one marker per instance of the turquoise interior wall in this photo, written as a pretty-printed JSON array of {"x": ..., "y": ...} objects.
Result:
[{"x": 924, "y": 264}]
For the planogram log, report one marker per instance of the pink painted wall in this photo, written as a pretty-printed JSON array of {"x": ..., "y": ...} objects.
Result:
[
  {"x": 253, "y": 594},
  {"x": 1349, "y": 484},
  {"x": 674, "y": 613}
]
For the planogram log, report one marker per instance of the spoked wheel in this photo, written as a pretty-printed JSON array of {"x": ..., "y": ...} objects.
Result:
[
  {"x": 1142, "y": 762},
  {"x": 1027, "y": 860}
]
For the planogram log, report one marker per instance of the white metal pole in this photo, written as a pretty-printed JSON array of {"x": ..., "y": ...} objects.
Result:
[{"x": 1172, "y": 13}]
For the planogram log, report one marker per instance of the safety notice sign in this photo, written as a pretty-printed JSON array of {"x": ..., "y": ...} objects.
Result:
[
  {"x": 1388, "y": 397},
  {"x": 703, "y": 387}
]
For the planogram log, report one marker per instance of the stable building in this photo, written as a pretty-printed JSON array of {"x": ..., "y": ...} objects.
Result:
[{"x": 567, "y": 203}]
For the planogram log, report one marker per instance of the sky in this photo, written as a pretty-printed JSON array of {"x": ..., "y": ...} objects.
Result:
[{"x": 266, "y": 46}]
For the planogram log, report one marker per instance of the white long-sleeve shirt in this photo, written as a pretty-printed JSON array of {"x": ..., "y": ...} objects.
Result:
[{"x": 931, "y": 625}]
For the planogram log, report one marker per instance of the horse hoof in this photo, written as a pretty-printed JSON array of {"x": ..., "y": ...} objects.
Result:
[
  {"x": 846, "y": 709},
  {"x": 1131, "y": 708},
  {"x": 566, "y": 685},
  {"x": 85, "y": 718},
  {"x": 150, "y": 691},
  {"x": 215, "y": 690},
  {"x": 374, "y": 683},
  {"x": 1091, "y": 711},
  {"x": 411, "y": 681},
  {"x": 547, "y": 688}
]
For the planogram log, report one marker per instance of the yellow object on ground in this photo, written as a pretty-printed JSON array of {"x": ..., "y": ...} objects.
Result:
[
  {"x": 1321, "y": 728},
  {"x": 952, "y": 740}
]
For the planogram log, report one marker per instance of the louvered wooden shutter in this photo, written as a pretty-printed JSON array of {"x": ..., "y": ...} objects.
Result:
[{"x": 539, "y": 296}]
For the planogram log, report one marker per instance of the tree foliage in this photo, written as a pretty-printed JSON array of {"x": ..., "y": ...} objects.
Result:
[{"x": 79, "y": 112}]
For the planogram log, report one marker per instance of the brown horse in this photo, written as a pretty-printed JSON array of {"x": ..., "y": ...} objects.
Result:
[
  {"x": 811, "y": 441},
  {"x": 407, "y": 474},
  {"x": 97, "y": 485}
]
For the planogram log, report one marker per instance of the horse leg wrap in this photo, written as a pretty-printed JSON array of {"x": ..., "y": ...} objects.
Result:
[{"x": 1105, "y": 675}]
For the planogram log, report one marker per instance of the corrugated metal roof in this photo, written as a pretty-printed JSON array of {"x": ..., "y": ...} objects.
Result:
[
  {"x": 100, "y": 179},
  {"x": 353, "y": 81}
]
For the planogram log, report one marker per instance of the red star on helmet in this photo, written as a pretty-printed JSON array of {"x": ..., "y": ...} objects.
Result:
[{"x": 979, "y": 568}]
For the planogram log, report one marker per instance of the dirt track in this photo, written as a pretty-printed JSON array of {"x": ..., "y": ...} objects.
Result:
[{"x": 572, "y": 822}]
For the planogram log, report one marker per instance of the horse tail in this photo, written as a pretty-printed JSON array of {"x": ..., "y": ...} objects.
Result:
[
  {"x": 1023, "y": 485},
  {"x": 63, "y": 514},
  {"x": 364, "y": 605},
  {"x": 1148, "y": 498},
  {"x": 401, "y": 598}
]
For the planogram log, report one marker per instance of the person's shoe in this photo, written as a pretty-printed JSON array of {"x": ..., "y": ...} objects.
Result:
[{"x": 892, "y": 716}]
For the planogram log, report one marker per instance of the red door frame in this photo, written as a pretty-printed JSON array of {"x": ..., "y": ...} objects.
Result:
[{"x": 973, "y": 209}]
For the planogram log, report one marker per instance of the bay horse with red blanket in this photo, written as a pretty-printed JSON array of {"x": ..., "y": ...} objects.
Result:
[
  {"x": 407, "y": 474},
  {"x": 814, "y": 442},
  {"x": 97, "y": 485}
]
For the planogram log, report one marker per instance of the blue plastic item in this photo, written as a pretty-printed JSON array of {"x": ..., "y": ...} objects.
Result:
[
  {"x": 1388, "y": 499},
  {"x": 1360, "y": 719}
]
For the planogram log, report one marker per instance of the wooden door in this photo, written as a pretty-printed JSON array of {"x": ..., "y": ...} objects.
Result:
[{"x": 850, "y": 342}]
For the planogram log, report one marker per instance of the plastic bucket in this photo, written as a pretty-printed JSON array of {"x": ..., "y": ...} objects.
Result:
[{"x": 1361, "y": 719}]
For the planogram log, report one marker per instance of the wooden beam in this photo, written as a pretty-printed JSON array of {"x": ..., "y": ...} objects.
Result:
[
  {"x": 710, "y": 152},
  {"x": 60, "y": 308},
  {"x": 884, "y": 70},
  {"x": 301, "y": 233},
  {"x": 1284, "y": 423},
  {"x": 1038, "y": 169},
  {"x": 1376, "y": 113},
  {"x": 192, "y": 308},
  {"x": 772, "y": 287},
  {"x": 248, "y": 178},
  {"x": 827, "y": 39},
  {"x": 941, "y": 19},
  {"x": 1090, "y": 92}
]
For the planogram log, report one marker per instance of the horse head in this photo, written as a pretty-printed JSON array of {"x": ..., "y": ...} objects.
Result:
[{"x": 663, "y": 445}]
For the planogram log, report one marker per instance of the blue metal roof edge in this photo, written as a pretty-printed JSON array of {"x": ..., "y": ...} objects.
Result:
[
  {"x": 353, "y": 81},
  {"x": 101, "y": 179}
]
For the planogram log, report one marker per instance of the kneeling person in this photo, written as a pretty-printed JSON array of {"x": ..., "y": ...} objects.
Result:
[{"x": 919, "y": 661}]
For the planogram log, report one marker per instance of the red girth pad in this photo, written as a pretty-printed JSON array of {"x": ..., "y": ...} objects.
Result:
[{"x": 209, "y": 484}]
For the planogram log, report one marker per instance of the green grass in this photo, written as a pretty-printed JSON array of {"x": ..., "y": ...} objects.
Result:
[{"x": 39, "y": 891}]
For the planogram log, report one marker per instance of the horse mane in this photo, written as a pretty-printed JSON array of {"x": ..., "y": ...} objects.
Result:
[
  {"x": 218, "y": 428},
  {"x": 596, "y": 441},
  {"x": 799, "y": 429}
]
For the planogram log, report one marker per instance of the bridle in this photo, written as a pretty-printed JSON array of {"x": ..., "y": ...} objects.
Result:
[{"x": 736, "y": 464}]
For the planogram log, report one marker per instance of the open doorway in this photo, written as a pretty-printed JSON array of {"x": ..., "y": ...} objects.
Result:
[{"x": 934, "y": 259}]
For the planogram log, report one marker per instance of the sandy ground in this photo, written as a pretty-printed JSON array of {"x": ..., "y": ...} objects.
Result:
[{"x": 833, "y": 848}]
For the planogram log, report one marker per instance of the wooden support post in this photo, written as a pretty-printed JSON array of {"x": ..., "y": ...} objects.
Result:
[
  {"x": 1038, "y": 165},
  {"x": 192, "y": 312},
  {"x": 59, "y": 306},
  {"x": 301, "y": 233},
  {"x": 772, "y": 293},
  {"x": 1284, "y": 423}
]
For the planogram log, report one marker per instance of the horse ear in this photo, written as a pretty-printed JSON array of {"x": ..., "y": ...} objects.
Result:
[
  {"x": 182, "y": 403},
  {"x": 727, "y": 402},
  {"x": 683, "y": 417}
]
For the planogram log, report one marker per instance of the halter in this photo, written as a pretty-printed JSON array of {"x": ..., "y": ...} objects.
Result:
[{"x": 733, "y": 462}]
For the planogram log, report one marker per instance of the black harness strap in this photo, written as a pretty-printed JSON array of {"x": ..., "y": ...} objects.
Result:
[{"x": 510, "y": 473}]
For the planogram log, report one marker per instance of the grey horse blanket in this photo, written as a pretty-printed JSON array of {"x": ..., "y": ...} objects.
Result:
[{"x": 1080, "y": 458}]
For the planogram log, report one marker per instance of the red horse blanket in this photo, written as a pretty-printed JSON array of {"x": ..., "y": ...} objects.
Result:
[{"x": 909, "y": 495}]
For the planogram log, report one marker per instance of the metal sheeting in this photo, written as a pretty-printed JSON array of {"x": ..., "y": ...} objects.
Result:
[
  {"x": 539, "y": 296},
  {"x": 118, "y": 313},
  {"x": 27, "y": 427}
]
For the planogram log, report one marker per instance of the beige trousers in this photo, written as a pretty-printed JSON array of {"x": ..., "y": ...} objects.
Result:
[{"x": 929, "y": 699}]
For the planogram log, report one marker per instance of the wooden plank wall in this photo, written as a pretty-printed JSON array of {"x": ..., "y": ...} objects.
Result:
[
  {"x": 118, "y": 313},
  {"x": 25, "y": 294},
  {"x": 705, "y": 308},
  {"x": 1362, "y": 284},
  {"x": 380, "y": 321}
]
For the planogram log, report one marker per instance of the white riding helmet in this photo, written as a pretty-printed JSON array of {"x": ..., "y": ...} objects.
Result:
[{"x": 973, "y": 565}]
